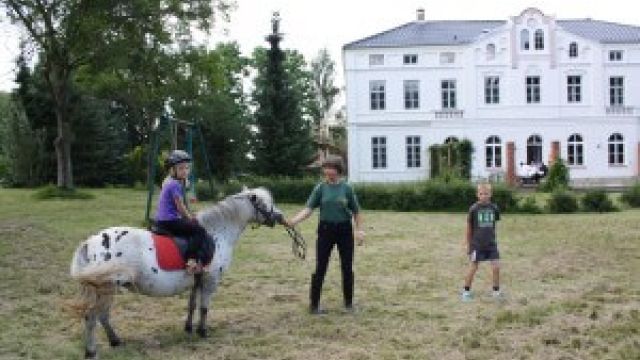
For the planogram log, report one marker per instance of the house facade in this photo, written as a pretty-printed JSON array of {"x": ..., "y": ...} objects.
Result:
[{"x": 523, "y": 90}]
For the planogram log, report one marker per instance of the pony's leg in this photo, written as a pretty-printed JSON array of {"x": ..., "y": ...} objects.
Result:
[
  {"x": 188, "y": 326},
  {"x": 207, "y": 290},
  {"x": 90, "y": 351},
  {"x": 104, "y": 318}
]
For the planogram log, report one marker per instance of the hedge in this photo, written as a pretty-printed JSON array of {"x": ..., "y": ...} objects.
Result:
[{"x": 631, "y": 196}]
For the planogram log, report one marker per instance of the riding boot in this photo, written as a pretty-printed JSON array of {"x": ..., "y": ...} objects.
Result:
[
  {"x": 347, "y": 289},
  {"x": 314, "y": 295}
]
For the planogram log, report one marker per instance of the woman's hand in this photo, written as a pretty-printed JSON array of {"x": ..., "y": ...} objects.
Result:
[{"x": 360, "y": 237}]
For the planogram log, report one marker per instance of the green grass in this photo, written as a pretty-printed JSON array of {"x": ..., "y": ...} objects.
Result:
[{"x": 570, "y": 282}]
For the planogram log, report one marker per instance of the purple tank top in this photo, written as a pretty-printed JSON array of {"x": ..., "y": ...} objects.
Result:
[{"x": 167, "y": 209}]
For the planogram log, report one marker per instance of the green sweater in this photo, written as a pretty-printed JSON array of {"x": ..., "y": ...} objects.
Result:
[{"x": 337, "y": 202}]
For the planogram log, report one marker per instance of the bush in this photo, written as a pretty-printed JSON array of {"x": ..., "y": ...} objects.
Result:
[
  {"x": 562, "y": 201},
  {"x": 558, "y": 177},
  {"x": 597, "y": 200},
  {"x": 53, "y": 192},
  {"x": 505, "y": 198},
  {"x": 529, "y": 205},
  {"x": 631, "y": 196}
]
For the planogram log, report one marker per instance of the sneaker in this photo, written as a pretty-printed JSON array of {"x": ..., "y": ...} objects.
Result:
[{"x": 466, "y": 296}]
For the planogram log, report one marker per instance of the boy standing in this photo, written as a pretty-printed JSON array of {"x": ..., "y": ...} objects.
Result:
[{"x": 481, "y": 239}]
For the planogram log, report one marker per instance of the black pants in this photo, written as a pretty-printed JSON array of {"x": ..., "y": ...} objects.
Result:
[
  {"x": 191, "y": 230},
  {"x": 330, "y": 235}
]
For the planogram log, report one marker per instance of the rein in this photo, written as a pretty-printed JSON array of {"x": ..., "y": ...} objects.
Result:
[{"x": 298, "y": 244}]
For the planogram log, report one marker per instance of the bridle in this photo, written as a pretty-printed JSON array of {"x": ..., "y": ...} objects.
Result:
[{"x": 298, "y": 244}]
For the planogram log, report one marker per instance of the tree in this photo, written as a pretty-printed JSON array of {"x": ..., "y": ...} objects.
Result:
[
  {"x": 70, "y": 33},
  {"x": 325, "y": 92},
  {"x": 282, "y": 144}
]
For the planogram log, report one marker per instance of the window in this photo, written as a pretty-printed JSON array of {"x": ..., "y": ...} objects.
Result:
[
  {"x": 447, "y": 58},
  {"x": 538, "y": 38},
  {"x": 448, "y": 94},
  {"x": 574, "y": 93},
  {"x": 411, "y": 94},
  {"x": 616, "y": 149},
  {"x": 377, "y": 94},
  {"x": 575, "y": 150},
  {"x": 376, "y": 59},
  {"x": 450, "y": 140},
  {"x": 410, "y": 59},
  {"x": 616, "y": 91},
  {"x": 533, "y": 89},
  {"x": 534, "y": 149},
  {"x": 573, "y": 50},
  {"x": 491, "y": 90},
  {"x": 524, "y": 39},
  {"x": 615, "y": 55},
  {"x": 413, "y": 151},
  {"x": 379, "y": 152},
  {"x": 493, "y": 152},
  {"x": 491, "y": 52}
]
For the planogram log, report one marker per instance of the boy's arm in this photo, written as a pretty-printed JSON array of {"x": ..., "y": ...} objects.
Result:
[{"x": 469, "y": 234}]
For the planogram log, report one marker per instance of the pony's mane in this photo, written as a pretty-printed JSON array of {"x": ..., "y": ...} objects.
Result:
[{"x": 226, "y": 209}]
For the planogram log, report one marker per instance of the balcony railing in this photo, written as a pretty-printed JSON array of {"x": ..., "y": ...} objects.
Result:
[
  {"x": 620, "y": 110},
  {"x": 449, "y": 114}
]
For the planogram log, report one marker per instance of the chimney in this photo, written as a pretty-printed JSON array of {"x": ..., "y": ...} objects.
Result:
[{"x": 420, "y": 14}]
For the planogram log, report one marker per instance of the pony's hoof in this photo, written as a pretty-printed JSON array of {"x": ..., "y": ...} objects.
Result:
[
  {"x": 203, "y": 332},
  {"x": 188, "y": 329},
  {"x": 116, "y": 342},
  {"x": 90, "y": 354}
]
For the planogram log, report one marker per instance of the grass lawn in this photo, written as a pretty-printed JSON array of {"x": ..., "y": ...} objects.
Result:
[{"x": 571, "y": 286}]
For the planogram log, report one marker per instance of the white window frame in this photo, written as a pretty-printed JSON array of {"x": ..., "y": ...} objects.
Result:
[
  {"x": 575, "y": 150},
  {"x": 448, "y": 94},
  {"x": 615, "y": 150},
  {"x": 447, "y": 57},
  {"x": 493, "y": 152},
  {"x": 413, "y": 147},
  {"x": 411, "y": 94},
  {"x": 616, "y": 55},
  {"x": 525, "y": 40},
  {"x": 573, "y": 49},
  {"x": 616, "y": 91},
  {"x": 377, "y": 95},
  {"x": 410, "y": 59},
  {"x": 379, "y": 152},
  {"x": 538, "y": 39},
  {"x": 491, "y": 90},
  {"x": 491, "y": 52},
  {"x": 574, "y": 89},
  {"x": 533, "y": 89}
]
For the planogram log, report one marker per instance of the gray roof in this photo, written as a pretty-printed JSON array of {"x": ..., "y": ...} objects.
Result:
[{"x": 459, "y": 32}]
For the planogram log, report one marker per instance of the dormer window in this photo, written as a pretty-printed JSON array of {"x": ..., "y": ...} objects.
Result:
[
  {"x": 410, "y": 59},
  {"x": 376, "y": 59},
  {"x": 615, "y": 55},
  {"x": 491, "y": 51},
  {"x": 539, "y": 39},
  {"x": 573, "y": 50},
  {"x": 524, "y": 39}
]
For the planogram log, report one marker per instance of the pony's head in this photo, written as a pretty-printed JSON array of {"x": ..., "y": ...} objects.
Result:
[{"x": 266, "y": 213}]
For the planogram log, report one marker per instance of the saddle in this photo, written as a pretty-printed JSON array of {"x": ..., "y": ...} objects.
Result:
[{"x": 170, "y": 250}]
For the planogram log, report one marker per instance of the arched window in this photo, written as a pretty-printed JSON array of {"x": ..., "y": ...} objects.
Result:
[
  {"x": 493, "y": 152},
  {"x": 616, "y": 149},
  {"x": 491, "y": 51},
  {"x": 534, "y": 149},
  {"x": 524, "y": 39},
  {"x": 575, "y": 150},
  {"x": 539, "y": 39},
  {"x": 450, "y": 140},
  {"x": 573, "y": 50}
]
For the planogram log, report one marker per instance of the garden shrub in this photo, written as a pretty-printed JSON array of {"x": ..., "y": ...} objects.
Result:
[
  {"x": 558, "y": 177},
  {"x": 597, "y": 200},
  {"x": 631, "y": 196},
  {"x": 562, "y": 201},
  {"x": 528, "y": 205}
]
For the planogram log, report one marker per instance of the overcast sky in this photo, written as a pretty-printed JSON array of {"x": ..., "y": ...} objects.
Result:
[{"x": 310, "y": 25}]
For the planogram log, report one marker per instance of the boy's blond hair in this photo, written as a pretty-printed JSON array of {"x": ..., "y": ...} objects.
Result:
[{"x": 484, "y": 186}]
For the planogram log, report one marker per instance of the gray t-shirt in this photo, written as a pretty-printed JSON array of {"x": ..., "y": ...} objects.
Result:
[{"x": 482, "y": 218}]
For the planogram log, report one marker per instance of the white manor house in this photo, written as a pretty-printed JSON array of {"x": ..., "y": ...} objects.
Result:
[{"x": 523, "y": 90}]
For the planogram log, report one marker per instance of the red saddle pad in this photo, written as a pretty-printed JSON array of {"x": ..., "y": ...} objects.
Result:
[{"x": 167, "y": 252}]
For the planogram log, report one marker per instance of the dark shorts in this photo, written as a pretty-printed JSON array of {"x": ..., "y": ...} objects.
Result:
[{"x": 484, "y": 255}]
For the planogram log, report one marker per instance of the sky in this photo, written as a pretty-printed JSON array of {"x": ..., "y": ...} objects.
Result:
[{"x": 310, "y": 25}]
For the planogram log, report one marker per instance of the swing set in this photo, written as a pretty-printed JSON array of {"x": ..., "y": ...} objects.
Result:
[{"x": 174, "y": 125}]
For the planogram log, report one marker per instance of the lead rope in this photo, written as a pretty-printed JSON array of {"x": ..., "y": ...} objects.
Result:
[{"x": 298, "y": 245}]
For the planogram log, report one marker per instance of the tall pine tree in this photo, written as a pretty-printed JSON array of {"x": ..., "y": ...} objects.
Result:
[{"x": 283, "y": 144}]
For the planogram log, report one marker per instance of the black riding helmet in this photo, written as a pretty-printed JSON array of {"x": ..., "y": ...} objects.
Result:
[{"x": 177, "y": 157}]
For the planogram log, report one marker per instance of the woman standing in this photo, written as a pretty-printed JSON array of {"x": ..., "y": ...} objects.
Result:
[{"x": 338, "y": 206}]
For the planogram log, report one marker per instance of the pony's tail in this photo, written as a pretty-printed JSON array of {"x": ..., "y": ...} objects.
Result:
[{"x": 97, "y": 282}]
